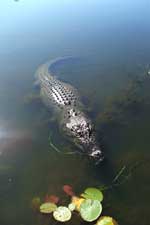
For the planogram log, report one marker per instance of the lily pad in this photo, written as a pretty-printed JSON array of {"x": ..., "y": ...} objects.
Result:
[
  {"x": 93, "y": 193},
  {"x": 48, "y": 207},
  {"x": 62, "y": 214},
  {"x": 106, "y": 220},
  {"x": 90, "y": 210},
  {"x": 71, "y": 206}
]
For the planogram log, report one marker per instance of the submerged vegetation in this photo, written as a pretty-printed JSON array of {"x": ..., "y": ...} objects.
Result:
[
  {"x": 128, "y": 103},
  {"x": 88, "y": 205}
]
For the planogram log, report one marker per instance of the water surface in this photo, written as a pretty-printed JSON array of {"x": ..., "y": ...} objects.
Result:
[{"x": 112, "y": 40}]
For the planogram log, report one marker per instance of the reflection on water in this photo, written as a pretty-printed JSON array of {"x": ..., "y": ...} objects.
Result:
[
  {"x": 113, "y": 39},
  {"x": 3, "y": 133}
]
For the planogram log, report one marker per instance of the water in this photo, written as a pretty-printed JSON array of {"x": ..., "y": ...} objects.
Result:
[{"x": 112, "y": 40}]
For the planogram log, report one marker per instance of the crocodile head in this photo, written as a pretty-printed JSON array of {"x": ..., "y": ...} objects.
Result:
[{"x": 80, "y": 127}]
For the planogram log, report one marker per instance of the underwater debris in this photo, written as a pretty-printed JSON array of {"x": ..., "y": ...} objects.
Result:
[
  {"x": 35, "y": 203},
  {"x": 52, "y": 145},
  {"x": 68, "y": 190},
  {"x": 51, "y": 198}
]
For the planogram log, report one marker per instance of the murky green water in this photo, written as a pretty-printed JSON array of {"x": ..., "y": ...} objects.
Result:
[{"x": 112, "y": 40}]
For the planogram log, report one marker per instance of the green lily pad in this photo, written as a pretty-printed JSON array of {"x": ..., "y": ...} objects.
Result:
[
  {"x": 62, "y": 214},
  {"x": 90, "y": 210},
  {"x": 93, "y": 193},
  {"x": 47, "y": 207},
  {"x": 71, "y": 206},
  {"x": 106, "y": 220}
]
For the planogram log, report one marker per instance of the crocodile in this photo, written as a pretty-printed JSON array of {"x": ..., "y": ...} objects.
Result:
[{"x": 65, "y": 98}]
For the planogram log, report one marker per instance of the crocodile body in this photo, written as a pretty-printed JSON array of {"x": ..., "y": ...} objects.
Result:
[{"x": 65, "y": 98}]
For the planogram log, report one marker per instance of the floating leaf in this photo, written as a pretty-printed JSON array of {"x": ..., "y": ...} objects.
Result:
[
  {"x": 106, "y": 220},
  {"x": 92, "y": 193},
  {"x": 48, "y": 207},
  {"x": 62, "y": 214},
  {"x": 77, "y": 202},
  {"x": 90, "y": 210},
  {"x": 71, "y": 206}
]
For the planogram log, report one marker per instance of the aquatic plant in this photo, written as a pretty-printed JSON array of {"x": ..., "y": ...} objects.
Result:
[
  {"x": 62, "y": 214},
  {"x": 124, "y": 107},
  {"x": 90, "y": 210},
  {"x": 71, "y": 206},
  {"x": 88, "y": 206},
  {"x": 106, "y": 220},
  {"x": 77, "y": 202},
  {"x": 92, "y": 193},
  {"x": 48, "y": 207}
]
